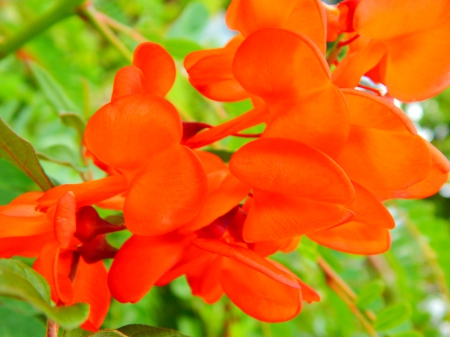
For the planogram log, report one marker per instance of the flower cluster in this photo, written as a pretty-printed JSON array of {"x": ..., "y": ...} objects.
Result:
[{"x": 330, "y": 153}]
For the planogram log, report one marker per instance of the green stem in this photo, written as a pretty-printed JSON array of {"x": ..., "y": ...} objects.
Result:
[
  {"x": 61, "y": 10},
  {"x": 89, "y": 13}
]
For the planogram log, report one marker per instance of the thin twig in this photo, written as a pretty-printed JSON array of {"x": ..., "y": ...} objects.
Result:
[
  {"x": 52, "y": 329},
  {"x": 120, "y": 27},
  {"x": 89, "y": 13}
]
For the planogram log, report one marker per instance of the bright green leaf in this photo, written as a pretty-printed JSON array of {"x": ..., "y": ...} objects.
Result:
[
  {"x": 17, "y": 280},
  {"x": 22, "y": 155},
  {"x": 370, "y": 293},
  {"x": 408, "y": 334},
  {"x": 393, "y": 316},
  {"x": 180, "y": 48}
]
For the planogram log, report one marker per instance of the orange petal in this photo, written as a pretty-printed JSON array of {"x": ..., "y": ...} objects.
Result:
[
  {"x": 211, "y": 74},
  {"x": 381, "y": 156},
  {"x": 168, "y": 194},
  {"x": 90, "y": 286},
  {"x": 279, "y": 65},
  {"x": 254, "y": 117},
  {"x": 204, "y": 280},
  {"x": 299, "y": 16},
  {"x": 210, "y": 161},
  {"x": 29, "y": 246},
  {"x": 367, "y": 233},
  {"x": 350, "y": 70},
  {"x": 437, "y": 177},
  {"x": 158, "y": 254},
  {"x": 285, "y": 166},
  {"x": 26, "y": 198},
  {"x": 153, "y": 72},
  {"x": 125, "y": 134},
  {"x": 425, "y": 53},
  {"x": 227, "y": 195},
  {"x": 266, "y": 248},
  {"x": 157, "y": 66},
  {"x": 191, "y": 259},
  {"x": 16, "y": 226},
  {"x": 65, "y": 220},
  {"x": 87, "y": 193},
  {"x": 275, "y": 216},
  {"x": 308, "y": 294},
  {"x": 128, "y": 81},
  {"x": 387, "y": 19},
  {"x": 326, "y": 131},
  {"x": 257, "y": 294},
  {"x": 246, "y": 257}
]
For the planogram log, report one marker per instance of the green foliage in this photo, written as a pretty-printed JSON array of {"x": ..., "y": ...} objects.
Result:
[
  {"x": 17, "y": 280},
  {"x": 393, "y": 316},
  {"x": 369, "y": 293}
]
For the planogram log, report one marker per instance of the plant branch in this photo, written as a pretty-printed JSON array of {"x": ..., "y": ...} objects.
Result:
[
  {"x": 91, "y": 15},
  {"x": 344, "y": 289},
  {"x": 120, "y": 27},
  {"x": 60, "y": 11},
  {"x": 52, "y": 329},
  {"x": 352, "y": 306}
]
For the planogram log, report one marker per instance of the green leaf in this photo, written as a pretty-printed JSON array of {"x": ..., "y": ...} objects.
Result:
[
  {"x": 57, "y": 97},
  {"x": 370, "y": 293},
  {"x": 75, "y": 121},
  {"x": 17, "y": 280},
  {"x": 51, "y": 89},
  {"x": 393, "y": 316},
  {"x": 139, "y": 330},
  {"x": 22, "y": 155},
  {"x": 102, "y": 333}
]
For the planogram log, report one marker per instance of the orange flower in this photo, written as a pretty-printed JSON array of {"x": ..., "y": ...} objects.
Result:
[
  {"x": 405, "y": 45},
  {"x": 127, "y": 283},
  {"x": 68, "y": 246},
  {"x": 214, "y": 262},
  {"x": 210, "y": 71},
  {"x": 138, "y": 135}
]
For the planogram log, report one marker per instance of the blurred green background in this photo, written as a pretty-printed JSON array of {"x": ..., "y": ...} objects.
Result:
[{"x": 69, "y": 69}]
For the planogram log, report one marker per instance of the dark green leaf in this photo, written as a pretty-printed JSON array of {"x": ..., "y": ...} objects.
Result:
[
  {"x": 22, "y": 155},
  {"x": 224, "y": 155},
  {"x": 370, "y": 293},
  {"x": 139, "y": 330},
  {"x": 77, "y": 333},
  {"x": 393, "y": 316},
  {"x": 17, "y": 280}
]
